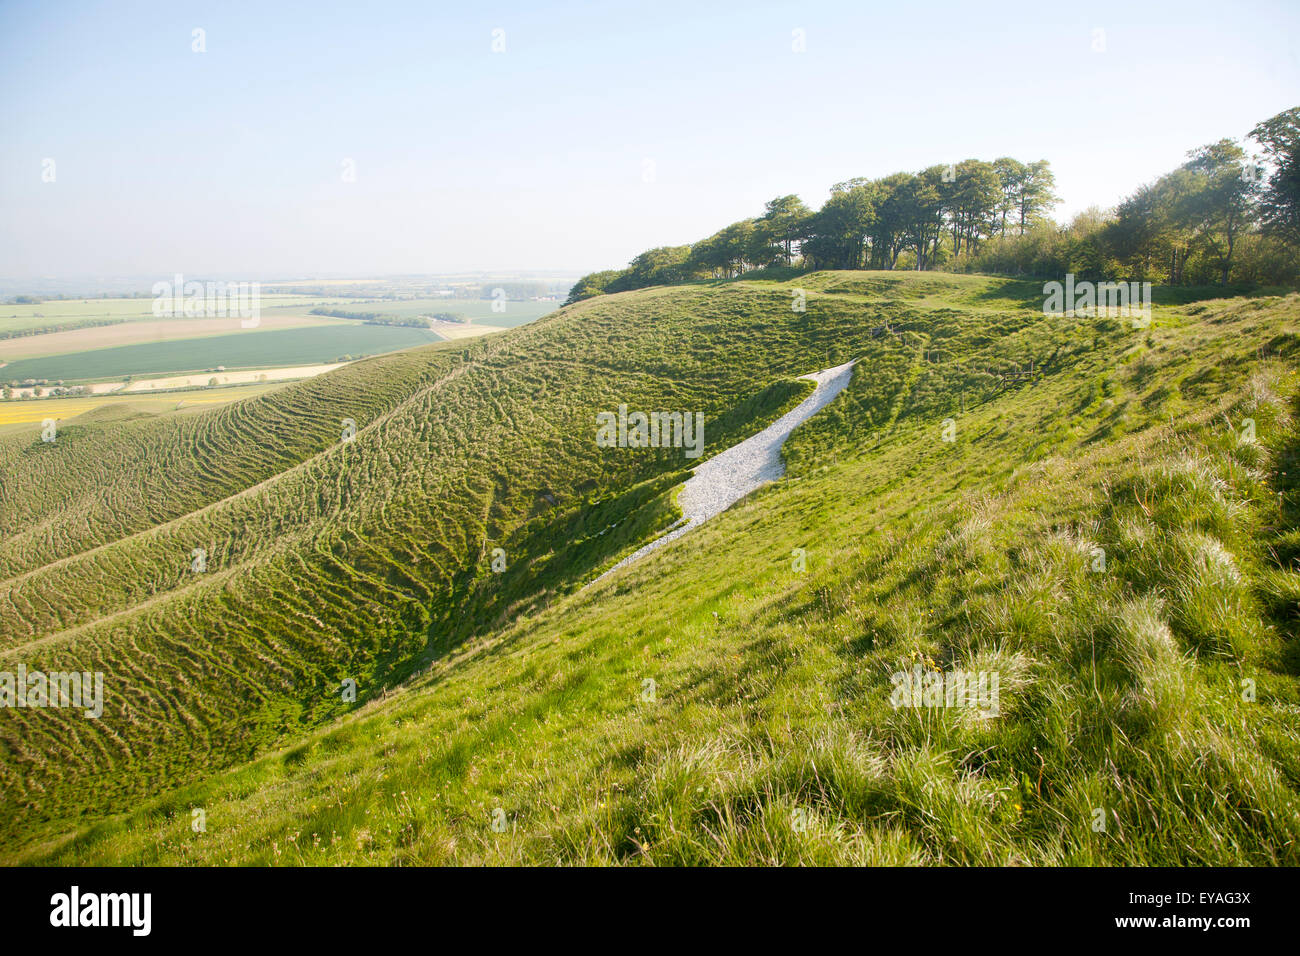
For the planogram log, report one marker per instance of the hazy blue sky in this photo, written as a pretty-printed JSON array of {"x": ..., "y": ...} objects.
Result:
[{"x": 230, "y": 162}]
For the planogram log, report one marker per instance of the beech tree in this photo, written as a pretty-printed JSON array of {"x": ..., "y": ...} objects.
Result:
[
  {"x": 1279, "y": 204},
  {"x": 1220, "y": 206},
  {"x": 785, "y": 223}
]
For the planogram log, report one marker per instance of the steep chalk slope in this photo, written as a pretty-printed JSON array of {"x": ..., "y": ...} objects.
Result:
[
  {"x": 1103, "y": 535},
  {"x": 228, "y": 574},
  {"x": 743, "y": 468}
]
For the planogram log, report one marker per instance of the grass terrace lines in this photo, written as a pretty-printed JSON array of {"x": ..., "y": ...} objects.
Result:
[{"x": 1121, "y": 690}]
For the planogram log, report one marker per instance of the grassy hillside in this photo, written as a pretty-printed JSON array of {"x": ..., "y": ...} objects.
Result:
[
  {"x": 476, "y": 310},
  {"x": 770, "y": 735}
]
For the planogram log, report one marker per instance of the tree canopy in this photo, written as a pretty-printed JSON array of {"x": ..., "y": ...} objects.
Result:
[{"x": 1222, "y": 216}]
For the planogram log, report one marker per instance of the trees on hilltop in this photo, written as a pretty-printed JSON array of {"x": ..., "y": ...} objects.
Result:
[{"x": 1222, "y": 216}]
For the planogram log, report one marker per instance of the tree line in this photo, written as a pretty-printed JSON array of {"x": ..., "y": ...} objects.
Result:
[
  {"x": 1224, "y": 216},
  {"x": 375, "y": 318}
]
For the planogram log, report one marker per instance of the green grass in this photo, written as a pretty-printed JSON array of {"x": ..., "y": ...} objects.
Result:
[
  {"x": 477, "y": 310},
  {"x": 252, "y": 348},
  {"x": 1121, "y": 688}
]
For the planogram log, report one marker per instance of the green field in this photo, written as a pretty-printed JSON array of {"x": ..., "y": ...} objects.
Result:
[
  {"x": 252, "y": 348},
  {"x": 1157, "y": 690},
  {"x": 83, "y": 350},
  {"x": 75, "y": 313}
]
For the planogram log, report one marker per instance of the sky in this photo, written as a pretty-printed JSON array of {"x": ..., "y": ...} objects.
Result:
[{"x": 383, "y": 138}]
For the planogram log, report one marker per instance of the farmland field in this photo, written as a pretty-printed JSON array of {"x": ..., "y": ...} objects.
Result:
[
  {"x": 97, "y": 339},
  {"x": 201, "y": 380},
  {"x": 248, "y": 349},
  {"x": 61, "y": 409},
  {"x": 77, "y": 313},
  {"x": 144, "y": 332}
]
